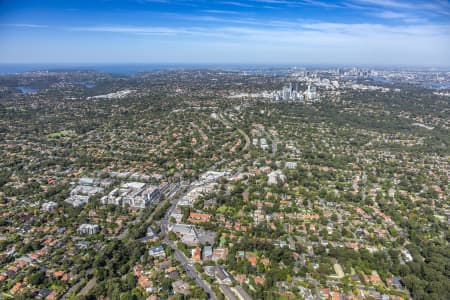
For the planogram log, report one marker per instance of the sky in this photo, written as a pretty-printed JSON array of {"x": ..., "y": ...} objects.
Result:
[{"x": 293, "y": 32}]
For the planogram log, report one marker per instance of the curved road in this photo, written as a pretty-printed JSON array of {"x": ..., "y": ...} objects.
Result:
[{"x": 228, "y": 123}]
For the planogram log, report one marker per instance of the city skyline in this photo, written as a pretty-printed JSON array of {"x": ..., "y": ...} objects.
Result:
[{"x": 353, "y": 32}]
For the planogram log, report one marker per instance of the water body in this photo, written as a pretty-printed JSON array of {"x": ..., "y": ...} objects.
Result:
[
  {"x": 88, "y": 85},
  {"x": 437, "y": 85},
  {"x": 130, "y": 69},
  {"x": 381, "y": 79},
  {"x": 428, "y": 85},
  {"x": 26, "y": 90}
]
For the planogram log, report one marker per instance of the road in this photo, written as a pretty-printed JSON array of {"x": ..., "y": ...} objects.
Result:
[
  {"x": 364, "y": 182},
  {"x": 88, "y": 287},
  {"x": 170, "y": 192},
  {"x": 190, "y": 270},
  {"x": 247, "y": 139},
  {"x": 275, "y": 145},
  {"x": 76, "y": 286},
  {"x": 274, "y": 140},
  {"x": 227, "y": 123}
]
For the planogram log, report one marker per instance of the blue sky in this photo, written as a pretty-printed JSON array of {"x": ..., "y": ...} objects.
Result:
[{"x": 348, "y": 32}]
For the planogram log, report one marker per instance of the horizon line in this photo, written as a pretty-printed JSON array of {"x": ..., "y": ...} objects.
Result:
[{"x": 256, "y": 64}]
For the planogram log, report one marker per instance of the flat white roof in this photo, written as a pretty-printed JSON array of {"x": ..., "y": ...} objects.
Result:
[{"x": 134, "y": 185}]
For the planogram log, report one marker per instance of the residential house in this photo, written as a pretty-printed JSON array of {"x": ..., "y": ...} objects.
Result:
[{"x": 157, "y": 252}]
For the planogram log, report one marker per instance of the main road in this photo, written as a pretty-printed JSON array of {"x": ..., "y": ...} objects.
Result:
[
  {"x": 190, "y": 270},
  {"x": 182, "y": 259}
]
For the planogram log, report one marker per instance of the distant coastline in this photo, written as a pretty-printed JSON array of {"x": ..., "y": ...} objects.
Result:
[
  {"x": 127, "y": 69},
  {"x": 133, "y": 68}
]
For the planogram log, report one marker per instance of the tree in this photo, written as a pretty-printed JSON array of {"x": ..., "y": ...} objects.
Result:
[{"x": 36, "y": 278}]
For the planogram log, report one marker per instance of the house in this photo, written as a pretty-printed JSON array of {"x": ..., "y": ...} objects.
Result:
[
  {"x": 260, "y": 280},
  {"x": 325, "y": 292},
  {"x": 77, "y": 200},
  {"x": 335, "y": 296},
  {"x": 43, "y": 293},
  {"x": 241, "y": 278},
  {"x": 52, "y": 296},
  {"x": 265, "y": 261},
  {"x": 58, "y": 274},
  {"x": 196, "y": 254},
  {"x": 352, "y": 245},
  {"x": 86, "y": 181},
  {"x": 16, "y": 288},
  {"x": 356, "y": 278},
  {"x": 88, "y": 229},
  {"x": 157, "y": 252},
  {"x": 181, "y": 287},
  {"x": 258, "y": 216},
  {"x": 407, "y": 255},
  {"x": 174, "y": 275},
  {"x": 164, "y": 265},
  {"x": 375, "y": 278},
  {"x": 207, "y": 253},
  {"x": 276, "y": 177},
  {"x": 290, "y": 164},
  {"x": 252, "y": 260},
  {"x": 394, "y": 281},
  {"x": 219, "y": 253},
  {"x": 195, "y": 217},
  {"x": 145, "y": 283},
  {"x": 49, "y": 206}
]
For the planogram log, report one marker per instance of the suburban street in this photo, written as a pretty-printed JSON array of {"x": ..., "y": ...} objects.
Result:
[{"x": 189, "y": 268}]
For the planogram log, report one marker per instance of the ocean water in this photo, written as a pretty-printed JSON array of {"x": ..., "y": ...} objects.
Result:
[
  {"x": 88, "y": 85},
  {"x": 26, "y": 90},
  {"x": 437, "y": 85}
]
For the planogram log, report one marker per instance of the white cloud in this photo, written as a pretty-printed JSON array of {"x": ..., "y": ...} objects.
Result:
[
  {"x": 223, "y": 12},
  {"x": 26, "y": 25},
  {"x": 390, "y": 15},
  {"x": 290, "y": 31},
  {"x": 235, "y": 3},
  {"x": 435, "y": 7},
  {"x": 386, "y": 3},
  {"x": 130, "y": 29},
  {"x": 320, "y": 3}
]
